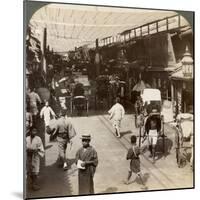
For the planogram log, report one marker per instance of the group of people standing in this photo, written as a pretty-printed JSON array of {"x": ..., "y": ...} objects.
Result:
[
  {"x": 34, "y": 143},
  {"x": 61, "y": 128}
]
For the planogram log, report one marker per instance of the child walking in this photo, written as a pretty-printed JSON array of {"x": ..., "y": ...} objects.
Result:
[
  {"x": 117, "y": 114},
  {"x": 46, "y": 112},
  {"x": 133, "y": 155}
]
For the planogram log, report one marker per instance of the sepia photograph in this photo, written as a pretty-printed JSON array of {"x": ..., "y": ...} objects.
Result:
[{"x": 108, "y": 99}]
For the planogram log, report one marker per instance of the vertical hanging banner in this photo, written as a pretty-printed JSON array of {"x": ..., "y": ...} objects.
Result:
[{"x": 44, "y": 44}]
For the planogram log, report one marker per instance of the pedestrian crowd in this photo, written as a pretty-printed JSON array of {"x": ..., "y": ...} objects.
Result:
[{"x": 60, "y": 128}]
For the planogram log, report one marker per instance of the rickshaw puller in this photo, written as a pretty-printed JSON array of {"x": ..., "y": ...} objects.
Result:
[{"x": 152, "y": 137}]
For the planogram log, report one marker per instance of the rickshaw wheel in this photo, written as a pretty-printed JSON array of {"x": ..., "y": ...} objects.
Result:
[
  {"x": 181, "y": 162},
  {"x": 136, "y": 124}
]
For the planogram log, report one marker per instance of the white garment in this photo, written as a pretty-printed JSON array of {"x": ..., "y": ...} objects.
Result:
[
  {"x": 47, "y": 112},
  {"x": 117, "y": 112},
  {"x": 34, "y": 99},
  {"x": 62, "y": 101},
  {"x": 117, "y": 124},
  {"x": 153, "y": 136},
  {"x": 187, "y": 128},
  {"x": 167, "y": 111},
  {"x": 35, "y": 144}
]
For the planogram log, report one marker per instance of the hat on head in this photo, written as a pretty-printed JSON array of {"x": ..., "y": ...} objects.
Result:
[{"x": 86, "y": 137}]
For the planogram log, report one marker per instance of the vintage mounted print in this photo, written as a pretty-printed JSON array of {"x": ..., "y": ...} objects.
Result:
[{"x": 109, "y": 99}]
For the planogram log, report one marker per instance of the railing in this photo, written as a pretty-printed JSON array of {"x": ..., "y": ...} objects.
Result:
[{"x": 161, "y": 25}]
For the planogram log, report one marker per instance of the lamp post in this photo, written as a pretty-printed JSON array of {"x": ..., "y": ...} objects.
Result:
[
  {"x": 187, "y": 64},
  {"x": 187, "y": 68}
]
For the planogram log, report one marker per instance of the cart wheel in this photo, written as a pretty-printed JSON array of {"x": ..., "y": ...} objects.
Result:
[
  {"x": 181, "y": 160},
  {"x": 140, "y": 132},
  {"x": 163, "y": 136},
  {"x": 136, "y": 124}
]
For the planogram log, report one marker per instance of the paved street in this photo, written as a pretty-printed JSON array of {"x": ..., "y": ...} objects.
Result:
[
  {"x": 113, "y": 166},
  {"x": 86, "y": 60}
]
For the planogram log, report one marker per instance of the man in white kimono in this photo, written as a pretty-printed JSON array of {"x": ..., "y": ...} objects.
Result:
[
  {"x": 117, "y": 114},
  {"x": 35, "y": 150}
]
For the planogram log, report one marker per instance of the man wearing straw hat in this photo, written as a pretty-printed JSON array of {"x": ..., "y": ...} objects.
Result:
[{"x": 87, "y": 161}]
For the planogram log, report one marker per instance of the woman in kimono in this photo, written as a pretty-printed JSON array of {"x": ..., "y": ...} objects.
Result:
[
  {"x": 87, "y": 161},
  {"x": 35, "y": 150}
]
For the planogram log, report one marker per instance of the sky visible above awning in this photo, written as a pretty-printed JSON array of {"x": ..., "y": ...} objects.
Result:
[{"x": 69, "y": 26}]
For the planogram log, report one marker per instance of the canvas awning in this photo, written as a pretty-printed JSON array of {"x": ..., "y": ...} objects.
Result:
[
  {"x": 69, "y": 26},
  {"x": 150, "y": 94}
]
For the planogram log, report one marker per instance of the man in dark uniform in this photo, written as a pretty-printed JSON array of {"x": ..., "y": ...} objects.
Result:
[{"x": 87, "y": 161}]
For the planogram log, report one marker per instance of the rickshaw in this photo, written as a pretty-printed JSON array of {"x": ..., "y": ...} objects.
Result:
[
  {"x": 79, "y": 101},
  {"x": 184, "y": 139},
  {"x": 151, "y": 125}
]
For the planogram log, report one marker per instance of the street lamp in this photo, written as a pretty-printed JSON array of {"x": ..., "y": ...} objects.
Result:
[{"x": 187, "y": 64}]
